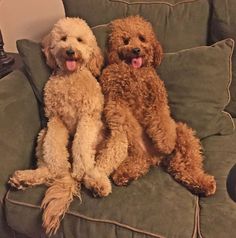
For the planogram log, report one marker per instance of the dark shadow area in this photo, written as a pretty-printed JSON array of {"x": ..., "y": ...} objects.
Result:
[{"x": 231, "y": 183}]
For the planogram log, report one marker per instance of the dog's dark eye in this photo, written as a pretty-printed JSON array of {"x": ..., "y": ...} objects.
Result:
[
  {"x": 64, "y": 38},
  {"x": 79, "y": 39},
  {"x": 126, "y": 40},
  {"x": 142, "y": 38}
]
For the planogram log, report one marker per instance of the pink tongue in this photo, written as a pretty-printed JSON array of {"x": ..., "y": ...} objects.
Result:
[
  {"x": 137, "y": 62},
  {"x": 71, "y": 65}
]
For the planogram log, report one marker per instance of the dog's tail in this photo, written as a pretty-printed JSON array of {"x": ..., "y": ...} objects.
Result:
[
  {"x": 186, "y": 165},
  {"x": 57, "y": 201}
]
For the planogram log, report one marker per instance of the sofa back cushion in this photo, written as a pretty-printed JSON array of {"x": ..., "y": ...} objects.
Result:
[
  {"x": 197, "y": 81},
  {"x": 223, "y": 25},
  {"x": 179, "y": 24},
  {"x": 35, "y": 65}
]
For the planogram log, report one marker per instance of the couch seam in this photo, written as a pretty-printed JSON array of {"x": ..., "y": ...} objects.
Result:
[
  {"x": 196, "y": 215},
  {"x": 199, "y": 47},
  {"x": 100, "y": 25},
  {"x": 230, "y": 81},
  {"x": 90, "y": 218},
  {"x": 159, "y": 2},
  {"x": 198, "y": 221},
  {"x": 117, "y": 224},
  {"x": 2, "y": 200}
]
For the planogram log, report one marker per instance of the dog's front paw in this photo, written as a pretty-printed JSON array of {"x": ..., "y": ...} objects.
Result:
[
  {"x": 121, "y": 179},
  {"x": 98, "y": 183},
  {"x": 20, "y": 180},
  {"x": 209, "y": 186},
  {"x": 78, "y": 173}
]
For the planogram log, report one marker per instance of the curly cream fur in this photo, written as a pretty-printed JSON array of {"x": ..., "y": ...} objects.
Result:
[
  {"x": 142, "y": 132},
  {"x": 73, "y": 106}
]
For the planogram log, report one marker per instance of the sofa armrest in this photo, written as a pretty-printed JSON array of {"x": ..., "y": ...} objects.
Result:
[{"x": 19, "y": 124}]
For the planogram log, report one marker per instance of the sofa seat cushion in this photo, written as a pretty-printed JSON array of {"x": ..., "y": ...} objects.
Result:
[
  {"x": 218, "y": 213},
  {"x": 153, "y": 206},
  {"x": 180, "y": 24}
]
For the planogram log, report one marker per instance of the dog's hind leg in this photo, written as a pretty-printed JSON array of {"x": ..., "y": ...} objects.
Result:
[
  {"x": 140, "y": 156},
  {"x": 27, "y": 178},
  {"x": 52, "y": 157},
  {"x": 133, "y": 167},
  {"x": 186, "y": 164},
  {"x": 41, "y": 175},
  {"x": 55, "y": 153}
]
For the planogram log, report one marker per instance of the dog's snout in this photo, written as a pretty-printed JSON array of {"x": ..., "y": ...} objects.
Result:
[
  {"x": 136, "y": 51},
  {"x": 70, "y": 52}
]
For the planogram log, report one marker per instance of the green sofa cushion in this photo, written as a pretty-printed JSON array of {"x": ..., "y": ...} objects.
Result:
[
  {"x": 19, "y": 124},
  {"x": 149, "y": 207},
  {"x": 6, "y": 231},
  {"x": 35, "y": 65},
  {"x": 218, "y": 213},
  {"x": 223, "y": 25},
  {"x": 179, "y": 24},
  {"x": 197, "y": 81}
]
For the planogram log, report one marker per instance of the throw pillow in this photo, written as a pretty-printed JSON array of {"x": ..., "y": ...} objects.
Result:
[{"x": 197, "y": 81}]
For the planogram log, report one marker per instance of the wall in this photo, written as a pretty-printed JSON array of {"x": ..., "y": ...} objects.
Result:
[{"x": 29, "y": 19}]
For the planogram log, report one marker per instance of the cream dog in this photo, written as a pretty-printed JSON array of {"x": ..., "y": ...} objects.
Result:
[{"x": 73, "y": 106}]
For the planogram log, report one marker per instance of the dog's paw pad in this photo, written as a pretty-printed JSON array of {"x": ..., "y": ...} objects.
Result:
[{"x": 99, "y": 185}]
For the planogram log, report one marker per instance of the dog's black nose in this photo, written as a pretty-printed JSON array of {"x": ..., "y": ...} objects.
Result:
[
  {"x": 136, "y": 51},
  {"x": 70, "y": 52}
]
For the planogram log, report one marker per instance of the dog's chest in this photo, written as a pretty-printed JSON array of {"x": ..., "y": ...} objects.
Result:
[
  {"x": 70, "y": 97},
  {"x": 135, "y": 86}
]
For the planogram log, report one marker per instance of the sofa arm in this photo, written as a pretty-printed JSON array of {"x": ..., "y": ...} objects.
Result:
[{"x": 19, "y": 124}]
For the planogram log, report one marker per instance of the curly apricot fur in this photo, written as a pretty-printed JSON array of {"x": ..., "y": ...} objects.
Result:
[{"x": 142, "y": 132}]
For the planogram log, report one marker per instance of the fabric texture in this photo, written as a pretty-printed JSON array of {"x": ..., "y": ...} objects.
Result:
[
  {"x": 19, "y": 124},
  {"x": 179, "y": 24},
  {"x": 197, "y": 82},
  {"x": 223, "y": 25},
  {"x": 35, "y": 64},
  {"x": 217, "y": 213},
  {"x": 6, "y": 231},
  {"x": 145, "y": 208}
]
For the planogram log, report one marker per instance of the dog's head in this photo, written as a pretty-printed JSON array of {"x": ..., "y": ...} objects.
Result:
[
  {"x": 133, "y": 41},
  {"x": 71, "y": 45}
]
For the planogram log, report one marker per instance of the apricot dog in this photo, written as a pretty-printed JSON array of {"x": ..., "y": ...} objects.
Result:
[{"x": 142, "y": 132}]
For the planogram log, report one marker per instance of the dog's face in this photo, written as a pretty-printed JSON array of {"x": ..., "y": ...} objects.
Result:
[
  {"x": 71, "y": 45},
  {"x": 133, "y": 41}
]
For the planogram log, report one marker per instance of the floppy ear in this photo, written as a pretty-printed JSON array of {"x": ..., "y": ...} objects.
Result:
[
  {"x": 46, "y": 48},
  {"x": 96, "y": 62},
  {"x": 113, "y": 57},
  {"x": 158, "y": 53},
  {"x": 112, "y": 54}
]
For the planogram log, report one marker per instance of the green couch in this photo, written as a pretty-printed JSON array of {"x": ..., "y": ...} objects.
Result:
[{"x": 155, "y": 205}]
